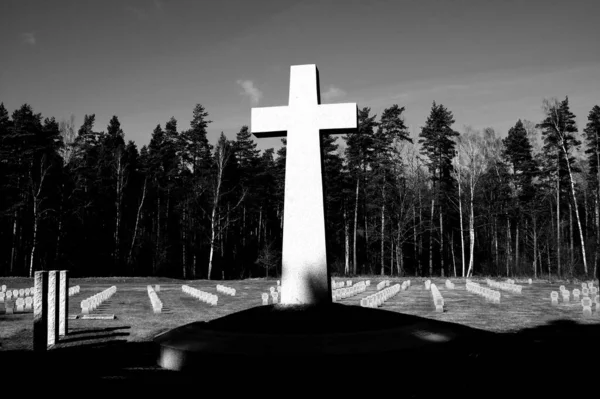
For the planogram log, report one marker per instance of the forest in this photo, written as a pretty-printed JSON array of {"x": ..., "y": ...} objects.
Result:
[{"x": 442, "y": 203}]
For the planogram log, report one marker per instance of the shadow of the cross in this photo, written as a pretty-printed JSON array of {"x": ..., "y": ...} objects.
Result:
[{"x": 519, "y": 362}]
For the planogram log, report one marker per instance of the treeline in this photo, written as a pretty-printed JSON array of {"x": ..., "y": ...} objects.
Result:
[{"x": 444, "y": 203}]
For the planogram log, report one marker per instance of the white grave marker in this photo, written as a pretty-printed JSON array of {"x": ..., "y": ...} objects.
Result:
[
  {"x": 305, "y": 273},
  {"x": 20, "y": 304},
  {"x": 554, "y": 297}
]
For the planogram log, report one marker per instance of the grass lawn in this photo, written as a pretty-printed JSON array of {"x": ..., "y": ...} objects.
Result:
[{"x": 136, "y": 324}]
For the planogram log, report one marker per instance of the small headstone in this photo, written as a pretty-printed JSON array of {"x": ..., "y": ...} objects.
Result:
[
  {"x": 157, "y": 288},
  {"x": 3, "y": 288},
  {"x": 554, "y": 297},
  {"x": 583, "y": 285},
  {"x": 27, "y": 291},
  {"x": 530, "y": 281},
  {"x": 278, "y": 282},
  {"x": 2, "y": 296},
  {"x": 275, "y": 297},
  {"x": 9, "y": 295},
  {"x": 265, "y": 299},
  {"x": 15, "y": 293},
  {"x": 22, "y": 292},
  {"x": 20, "y": 304},
  {"x": 272, "y": 289},
  {"x": 85, "y": 307},
  {"x": 28, "y": 302},
  {"x": 585, "y": 292}
]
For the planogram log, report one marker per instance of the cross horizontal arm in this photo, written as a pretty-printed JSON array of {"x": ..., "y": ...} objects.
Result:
[
  {"x": 270, "y": 121},
  {"x": 338, "y": 118}
]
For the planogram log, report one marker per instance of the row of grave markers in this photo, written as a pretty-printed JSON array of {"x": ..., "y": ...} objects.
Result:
[
  {"x": 438, "y": 301},
  {"x": 347, "y": 292},
  {"x": 377, "y": 299},
  {"x": 156, "y": 303},
  {"x": 91, "y": 303},
  {"x": 206, "y": 297},
  {"x": 225, "y": 290},
  {"x": 507, "y": 286},
  {"x": 487, "y": 293}
]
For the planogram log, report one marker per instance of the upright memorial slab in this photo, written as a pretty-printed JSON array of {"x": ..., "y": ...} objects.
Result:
[
  {"x": 53, "y": 282},
  {"x": 63, "y": 303},
  {"x": 305, "y": 275},
  {"x": 40, "y": 312}
]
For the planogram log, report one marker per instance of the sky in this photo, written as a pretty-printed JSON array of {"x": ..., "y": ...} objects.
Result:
[{"x": 489, "y": 62}]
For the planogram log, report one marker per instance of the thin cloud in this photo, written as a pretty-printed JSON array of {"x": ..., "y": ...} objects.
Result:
[
  {"x": 250, "y": 90},
  {"x": 29, "y": 38},
  {"x": 332, "y": 93},
  {"x": 138, "y": 13}
]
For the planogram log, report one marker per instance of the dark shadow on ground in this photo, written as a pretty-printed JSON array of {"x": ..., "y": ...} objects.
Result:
[
  {"x": 96, "y": 336},
  {"x": 97, "y": 330},
  {"x": 546, "y": 361}
]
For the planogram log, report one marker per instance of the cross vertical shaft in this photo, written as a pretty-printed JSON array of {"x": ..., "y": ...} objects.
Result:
[{"x": 305, "y": 274}]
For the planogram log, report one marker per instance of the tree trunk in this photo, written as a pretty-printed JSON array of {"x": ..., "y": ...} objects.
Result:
[
  {"x": 415, "y": 245},
  {"x": 157, "y": 254},
  {"x": 535, "y": 252},
  {"x": 354, "y": 265},
  {"x": 137, "y": 222},
  {"x": 13, "y": 252},
  {"x": 548, "y": 254},
  {"x": 382, "y": 234},
  {"x": 508, "y": 249},
  {"x": 183, "y": 241},
  {"x": 496, "y": 253},
  {"x": 431, "y": 238},
  {"x": 453, "y": 256},
  {"x": 34, "y": 238},
  {"x": 597, "y": 220},
  {"x": 462, "y": 238},
  {"x": 118, "y": 202},
  {"x": 244, "y": 226},
  {"x": 391, "y": 256},
  {"x": 346, "y": 244},
  {"x": 419, "y": 258},
  {"x": 558, "y": 243},
  {"x": 471, "y": 231},
  {"x": 441, "y": 243},
  {"x": 516, "y": 268},
  {"x": 585, "y": 268},
  {"x": 571, "y": 244}
]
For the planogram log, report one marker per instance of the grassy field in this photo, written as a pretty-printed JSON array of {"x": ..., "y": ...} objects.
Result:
[
  {"x": 134, "y": 315},
  {"x": 136, "y": 324}
]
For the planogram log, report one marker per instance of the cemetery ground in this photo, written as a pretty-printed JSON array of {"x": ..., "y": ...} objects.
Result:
[{"x": 539, "y": 340}]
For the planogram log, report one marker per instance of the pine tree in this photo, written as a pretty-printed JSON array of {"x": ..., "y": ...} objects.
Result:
[
  {"x": 592, "y": 134},
  {"x": 518, "y": 153},
  {"x": 359, "y": 157},
  {"x": 559, "y": 129},
  {"x": 438, "y": 145}
]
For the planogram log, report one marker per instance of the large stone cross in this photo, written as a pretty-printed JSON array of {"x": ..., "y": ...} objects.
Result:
[{"x": 305, "y": 275}]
